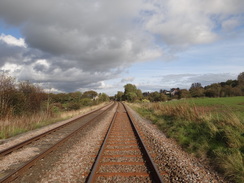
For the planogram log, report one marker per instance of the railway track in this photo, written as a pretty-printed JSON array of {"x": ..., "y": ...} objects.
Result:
[
  {"x": 123, "y": 156},
  {"x": 11, "y": 149},
  {"x": 49, "y": 141}
]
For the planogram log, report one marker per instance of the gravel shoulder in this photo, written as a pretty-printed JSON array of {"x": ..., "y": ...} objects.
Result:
[{"x": 175, "y": 164}]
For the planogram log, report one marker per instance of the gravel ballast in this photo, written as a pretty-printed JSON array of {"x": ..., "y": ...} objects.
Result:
[
  {"x": 73, "y": 161},
  {"x": 172, "y": 161}
]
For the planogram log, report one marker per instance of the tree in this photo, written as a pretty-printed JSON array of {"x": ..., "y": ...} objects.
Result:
[
  {"x": 196, "y": 90},
  {"x": 75, "y": 96},
  {"x": 33, "y": 95},
  {"x": 86, "y": 101},
  {"x": 232, "y": 83},
  {"x": 163, "y": 97},
  {"x": 183, "y": 93},
  {"x": 157, "y": 97},
  {"x": 73, "y": 106},
  {"x": 226, "y": 91},
  {"x": 213, "y": 90},
  {"x": 240, "y": 78},
  {"x": 131, "y": 96},
  {"x": 119, "y": 96},
  {"x": 89, "y": 94},
  {"x": 59, "y": 98},
  {"x": 154, "y": 96},
  {"x": 130, "y": 88},
  {"x": 196, "y": 85},
  {"x": 132, "y": 93},
  {"x": 103, "y": 97},
  {"x": 139, "y": 94}
]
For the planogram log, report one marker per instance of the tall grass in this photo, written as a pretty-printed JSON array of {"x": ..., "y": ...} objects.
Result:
[
  {"x": 214, "y": 132},
  {"x": 12, "y": 126}
]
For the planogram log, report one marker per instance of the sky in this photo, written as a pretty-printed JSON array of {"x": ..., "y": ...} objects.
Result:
[{"x": 101, "y": 45}]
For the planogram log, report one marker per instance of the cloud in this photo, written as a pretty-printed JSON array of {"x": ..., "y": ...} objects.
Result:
[
  {"x": 10, "y": 40},
  {"x": 209, "y": 78},
  {"x": 182, "y": 81},
  {"x": 128, "y": 79},
  {"x": 185, "y": 80},
  {"x": 189, "y": 22},
  {"x": 48, "y": 70},
  {"x": 230, "y": 24},
  {"x": 81, "y": 44},
  {"x": 89, "y": 32}
]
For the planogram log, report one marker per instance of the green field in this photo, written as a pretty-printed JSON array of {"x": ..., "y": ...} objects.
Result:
[
  {"x": 211, "y": 128},
  {"x": 233, "y": 104}
]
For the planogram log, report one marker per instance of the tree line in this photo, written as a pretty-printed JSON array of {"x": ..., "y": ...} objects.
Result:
[
  {"x": 228, "y": 88},
  {"x": 25, "y": 98}
]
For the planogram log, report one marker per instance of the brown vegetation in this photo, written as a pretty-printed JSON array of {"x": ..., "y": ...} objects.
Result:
[{"x": 25, "y": 106}]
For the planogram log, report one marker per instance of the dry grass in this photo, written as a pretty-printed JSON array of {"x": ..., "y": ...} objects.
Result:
[{"x": 12, "y": 126}]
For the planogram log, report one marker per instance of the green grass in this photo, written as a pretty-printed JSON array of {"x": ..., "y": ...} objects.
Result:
[
  {"x": 212, "y": 128},
  {"x": 235, "y": 104}
]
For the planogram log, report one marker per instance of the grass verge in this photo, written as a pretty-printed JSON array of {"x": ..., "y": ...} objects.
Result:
[
  {"x": 16, "y": 125},
  {"x": 208, "y": 128}
]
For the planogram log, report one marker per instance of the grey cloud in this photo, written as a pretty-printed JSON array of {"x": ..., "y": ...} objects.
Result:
[
  {"x": 128, "y": 79},
  {"x": 86, "y": 42},
  {"x": 185, "y": 80},
  {"x": 9, "y": 53},
  {"x": 206, "y": 79},
  {"x": 87, "y": 31},
  {"x": 94, "y": 37}
]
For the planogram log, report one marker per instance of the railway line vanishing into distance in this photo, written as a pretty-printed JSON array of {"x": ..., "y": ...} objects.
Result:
[
  {"x": 109, "y": 144},
  {"x": 122, "y": 155}
]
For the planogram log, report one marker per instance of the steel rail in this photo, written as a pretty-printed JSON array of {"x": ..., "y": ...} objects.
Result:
[
  {"x": 154, "y": 173},
  {"x": 9, "y": 150},
  {"x": 91, "y": 176},
  {"x": 15, "y": 174}
]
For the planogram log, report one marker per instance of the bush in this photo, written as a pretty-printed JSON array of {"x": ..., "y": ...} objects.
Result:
[
  {"x": 73, "y": 106},
  {"x": 86, "y": 101}
]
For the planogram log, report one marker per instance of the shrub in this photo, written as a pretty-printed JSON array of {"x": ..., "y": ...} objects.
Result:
[
  {"x": 73, "y": 106},
  {"x": 86, "y": 101}
]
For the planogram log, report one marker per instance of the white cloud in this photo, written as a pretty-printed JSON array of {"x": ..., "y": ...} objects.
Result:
[
  {"x": 11, "y": 68},
  {"x": 10, "y": 40},
  {"x": 188, "y": 22}
]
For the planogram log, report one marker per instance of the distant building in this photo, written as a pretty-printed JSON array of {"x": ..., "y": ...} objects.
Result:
[
  {"x": 95, "y": 98},
  {"x": 174, "y": 91}
]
